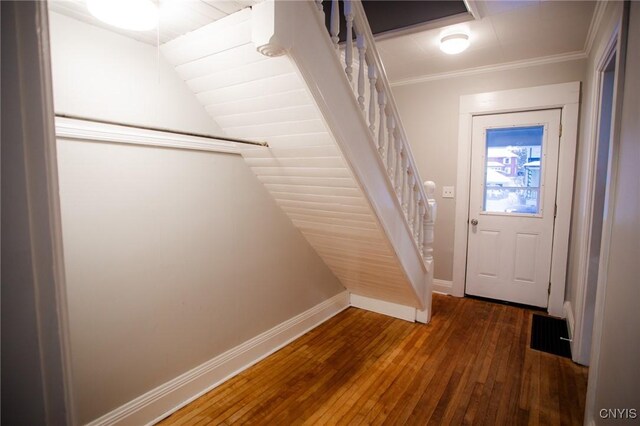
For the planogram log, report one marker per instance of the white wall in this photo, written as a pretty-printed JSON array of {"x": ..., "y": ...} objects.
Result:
[
  {"x": 614, "y": 377},
  {"x": 101, "y": 74},
  {"x": 429, "y": 112},
  {"x": 172, "y": 256}
]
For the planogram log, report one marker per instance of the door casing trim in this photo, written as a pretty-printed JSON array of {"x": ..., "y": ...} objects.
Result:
[{"x": 565, "y": 96}]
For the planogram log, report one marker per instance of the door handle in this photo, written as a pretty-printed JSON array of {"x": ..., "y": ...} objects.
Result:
[{"x": 474, "y": 222}]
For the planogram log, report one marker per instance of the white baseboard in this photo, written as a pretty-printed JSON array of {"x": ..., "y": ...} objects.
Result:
[
  {"x": 395, "y": 310},
  {"x": 568, "y": 314},
  {"x": 169, "y": 397},
  {"x": 442, "y": 286},
  {"x": 571, "y": 324}
]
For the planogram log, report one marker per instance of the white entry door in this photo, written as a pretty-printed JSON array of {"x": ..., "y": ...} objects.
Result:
[{"x": 514, "y": 167}]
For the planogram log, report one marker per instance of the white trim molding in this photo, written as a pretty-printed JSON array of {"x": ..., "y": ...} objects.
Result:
[
  {"x": 583, "y": 227},
  {"x": 442, "y": 286},
  {"x": 544, "y": 60},
  {"x": 571, "y": 323},
  {"x": 37, "y": 365},
  {"x": 165, "y": 399},
  {"x": 394, "y": 310},
  {"x": 565, "y": 96},
  {"x": 596, "y": 19},
  {"x": 68, "y": 128}
]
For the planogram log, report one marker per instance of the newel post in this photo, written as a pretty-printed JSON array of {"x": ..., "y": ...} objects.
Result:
[{"x": 272, "y": 27}]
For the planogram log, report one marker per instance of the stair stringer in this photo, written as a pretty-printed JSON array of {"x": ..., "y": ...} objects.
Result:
[
  {"x": 344, "y": 206},
  {"x": 319, "y": 66}
]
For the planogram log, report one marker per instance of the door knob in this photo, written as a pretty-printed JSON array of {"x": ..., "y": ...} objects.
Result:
[{"x": 474, "y": 222}]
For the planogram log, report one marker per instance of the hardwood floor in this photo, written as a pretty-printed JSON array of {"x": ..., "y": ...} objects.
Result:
[{"x": 471, "y": 365}]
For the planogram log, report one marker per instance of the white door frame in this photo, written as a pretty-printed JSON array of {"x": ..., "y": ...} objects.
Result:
[
  {"x": 565, "y": 96},
  {"x": 40, "y": 275},
  {"x": 580, "y": 353}
]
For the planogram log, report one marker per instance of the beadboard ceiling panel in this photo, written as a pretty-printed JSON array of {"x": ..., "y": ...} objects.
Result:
[{"x": 303, "y": 169}]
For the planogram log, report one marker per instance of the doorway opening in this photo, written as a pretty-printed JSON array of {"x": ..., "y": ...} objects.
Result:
[
  {"x": 564, "y": 97},
  {"x": 598, "y": 196}
]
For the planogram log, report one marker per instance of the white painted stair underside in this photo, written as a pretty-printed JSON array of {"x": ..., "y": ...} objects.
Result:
[{"x": 265, "y": 99}]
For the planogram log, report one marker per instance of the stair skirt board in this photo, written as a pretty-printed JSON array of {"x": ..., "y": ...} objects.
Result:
[
  {"x": 395, "y": 310},
  {"x": 254, "y": 97}
]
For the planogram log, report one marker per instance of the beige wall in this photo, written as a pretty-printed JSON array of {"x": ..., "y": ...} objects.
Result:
[
  {"x": 429, "y": 112},
  {"x": 101, "y": 74},
  {"x": 172, "y": 256}
]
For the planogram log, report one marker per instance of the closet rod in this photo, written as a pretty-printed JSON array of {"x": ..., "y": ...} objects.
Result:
[{"x": 160, "y": 129}]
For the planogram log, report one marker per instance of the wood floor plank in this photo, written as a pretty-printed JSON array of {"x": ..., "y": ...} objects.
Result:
[{"x": 471, "y": 365}]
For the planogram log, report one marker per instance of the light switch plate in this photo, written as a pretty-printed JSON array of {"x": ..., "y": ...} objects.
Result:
[{"x": 447, "y": 192}]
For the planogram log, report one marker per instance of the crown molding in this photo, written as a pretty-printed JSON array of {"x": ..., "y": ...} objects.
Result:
[
  {"x": 596, "y": 19},
  {"x": 571, "y": 56}
]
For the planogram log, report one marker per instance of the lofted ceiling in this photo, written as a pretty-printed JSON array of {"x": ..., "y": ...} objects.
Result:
[
  {"x": 177, "y": 17},
  {"x": 507, "y": 32}
]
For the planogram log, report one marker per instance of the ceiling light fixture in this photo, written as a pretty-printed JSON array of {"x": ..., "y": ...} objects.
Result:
[
  {"x": 134, "y": 15},
  {"x": 454, "y": 43}
]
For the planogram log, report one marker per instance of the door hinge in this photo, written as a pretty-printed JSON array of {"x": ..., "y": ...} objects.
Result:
[
  {"x": 555, "y": 211},
  {"x": 549, "y": 289},
  {"x": 560, "y": 129}
]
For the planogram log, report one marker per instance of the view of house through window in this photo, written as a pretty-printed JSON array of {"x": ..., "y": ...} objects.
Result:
[{"x": 512, "y": 169}]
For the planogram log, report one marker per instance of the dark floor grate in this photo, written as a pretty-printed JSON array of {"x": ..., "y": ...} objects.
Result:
[{"x": 546, "y": 334}]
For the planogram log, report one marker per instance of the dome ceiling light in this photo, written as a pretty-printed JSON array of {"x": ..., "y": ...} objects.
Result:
[
  {"x": 453, "y": 44},
  {"x": 134, "y": 15}
]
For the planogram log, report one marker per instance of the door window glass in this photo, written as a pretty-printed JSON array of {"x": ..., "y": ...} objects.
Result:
[{"x": 513, "y": 161}]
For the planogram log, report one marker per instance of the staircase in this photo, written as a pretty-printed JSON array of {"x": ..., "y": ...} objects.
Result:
[{"x": 338, "y": 162}]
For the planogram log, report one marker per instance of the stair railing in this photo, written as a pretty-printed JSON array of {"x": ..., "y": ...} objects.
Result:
[{"x": 384, "y": 120}]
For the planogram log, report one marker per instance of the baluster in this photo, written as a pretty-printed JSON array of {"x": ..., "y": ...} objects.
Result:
[
  {"x": 319, "y": 6},
  {"x": 348, "y": 53},
  {"x": 381, "y": 131},
  {"x": 372, "y": 97},
  {"x": 405, "y": 183},
  {"x": 410, "y": 212},
  {"x": 362, "y": 50},
  {"x": 430, "y": 217},
  {"x": 427, "y": 250},
  {"x": 335, "y": 22},
  {"x": 421, "y": 215},
  {"x": 391, "y": 153},
  {"x": 399, "y": 167},
  {"x": 416, "y": 220}
]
